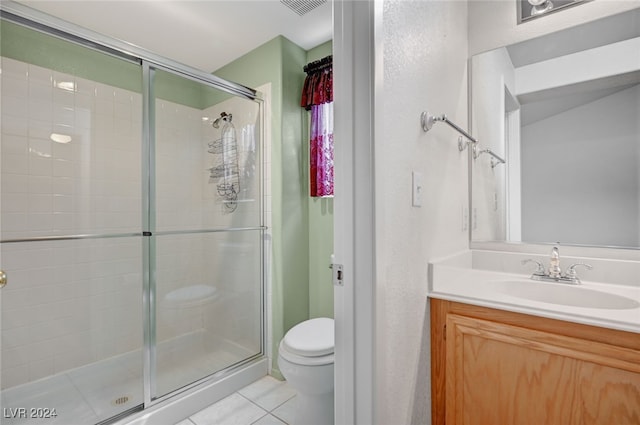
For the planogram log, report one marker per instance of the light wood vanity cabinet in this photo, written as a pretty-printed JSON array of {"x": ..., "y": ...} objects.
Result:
[{"x": 493, "y": 367}]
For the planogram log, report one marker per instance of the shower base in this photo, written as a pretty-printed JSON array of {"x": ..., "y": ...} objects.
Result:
[{"x": 101, "y": 390}]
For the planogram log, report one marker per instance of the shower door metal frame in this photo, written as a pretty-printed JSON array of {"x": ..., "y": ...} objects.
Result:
[{"x": 39, "y": 21}]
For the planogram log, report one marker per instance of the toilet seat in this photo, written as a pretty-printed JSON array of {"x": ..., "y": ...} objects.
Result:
[
  {"x": 304, "y": 360},
  {"x": 310, "y": 342}
]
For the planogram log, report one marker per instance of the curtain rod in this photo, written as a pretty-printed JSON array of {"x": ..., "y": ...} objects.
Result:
[{"x": 318, "y": 64}]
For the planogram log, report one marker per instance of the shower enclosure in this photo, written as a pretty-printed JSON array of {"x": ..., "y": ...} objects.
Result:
[{"x": 130, "y": 279}]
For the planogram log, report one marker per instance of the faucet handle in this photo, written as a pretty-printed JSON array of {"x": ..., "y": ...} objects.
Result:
[
  {"x": 571, "y": 271},
  {"x": 539, "y": 266}
]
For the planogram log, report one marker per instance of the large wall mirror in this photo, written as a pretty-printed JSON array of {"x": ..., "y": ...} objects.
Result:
[{"x": 564, "y": 111}]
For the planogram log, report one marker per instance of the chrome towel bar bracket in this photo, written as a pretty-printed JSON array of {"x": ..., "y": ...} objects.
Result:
[
  {"x": 427, "y": 120},
  {"x": 496, "y": 160}
]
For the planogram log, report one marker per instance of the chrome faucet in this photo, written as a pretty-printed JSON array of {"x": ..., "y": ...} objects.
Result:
[{"x": 554, "y": 272}]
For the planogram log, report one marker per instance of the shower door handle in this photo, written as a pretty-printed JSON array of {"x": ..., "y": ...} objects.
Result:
[{"x": 3, "y": 279}]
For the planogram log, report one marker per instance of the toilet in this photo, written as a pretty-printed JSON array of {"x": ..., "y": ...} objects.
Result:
[{"x": 305, "y": 358}]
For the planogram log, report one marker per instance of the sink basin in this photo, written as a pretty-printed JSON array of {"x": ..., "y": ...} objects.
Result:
[{"x": 564, "y": 294}]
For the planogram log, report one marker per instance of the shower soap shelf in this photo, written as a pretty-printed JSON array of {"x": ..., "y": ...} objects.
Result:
[{"x": 225, "y": 172}]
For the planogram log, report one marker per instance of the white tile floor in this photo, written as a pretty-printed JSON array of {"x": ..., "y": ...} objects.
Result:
[{"x": 265, "y": 402}]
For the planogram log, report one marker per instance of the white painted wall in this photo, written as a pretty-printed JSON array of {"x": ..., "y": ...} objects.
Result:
[
  {"x": 601, "y": 62},
  {"x": 425, "y": 50},
  {"x": 579, "y": 171},
  {"x": 425, "y": 68},
  {"x": 493, "y": 22}
]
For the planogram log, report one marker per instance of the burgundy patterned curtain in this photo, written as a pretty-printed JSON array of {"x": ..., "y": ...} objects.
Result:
[{"x": 317, "y": 96}]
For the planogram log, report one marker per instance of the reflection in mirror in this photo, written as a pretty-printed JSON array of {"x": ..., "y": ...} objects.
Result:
[
  {"x": 530, "y": 9},
  {"x": 564, "y": 111}
]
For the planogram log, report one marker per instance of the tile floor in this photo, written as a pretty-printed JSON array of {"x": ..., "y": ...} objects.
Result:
[{"x": 265, "y": 402}]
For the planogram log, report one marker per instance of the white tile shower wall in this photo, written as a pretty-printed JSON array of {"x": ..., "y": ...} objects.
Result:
[
  {"x": 179, "y": 259},
  {"x": 88, "y": 182},
  {"x": 69, "y": 302},
  {"x": 236, "y": 255},
  {"x": 246, "y": 122},
  {"x": 179, "y": 166},
  {"x": 187, "y": 199}
]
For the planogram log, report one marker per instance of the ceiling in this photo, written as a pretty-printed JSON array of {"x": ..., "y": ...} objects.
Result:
[{"x": 204, "y": 34}]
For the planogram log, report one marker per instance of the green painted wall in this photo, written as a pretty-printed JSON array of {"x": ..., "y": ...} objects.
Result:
[
  {"x": 302, "y": 226},
  {"x": 320, "y": 231},
  {"x": 26, "y": 45}
]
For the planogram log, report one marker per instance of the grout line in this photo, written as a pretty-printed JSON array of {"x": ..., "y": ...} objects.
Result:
[
  {"x": 289, "y": 399},
  {"x": 82, "y": 394},
  {"x": 280, "y": 405},
  {"x": 260, "y": 418},
  {"x": 252, "y": 402}
]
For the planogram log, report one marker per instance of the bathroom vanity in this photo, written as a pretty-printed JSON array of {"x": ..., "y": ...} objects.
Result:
[
  {"x": 491, "y": 366},
  {"x": 509, "y": 350}
]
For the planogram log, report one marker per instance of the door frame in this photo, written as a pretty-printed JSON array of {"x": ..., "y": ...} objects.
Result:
[{"x": 355, "y": 69}]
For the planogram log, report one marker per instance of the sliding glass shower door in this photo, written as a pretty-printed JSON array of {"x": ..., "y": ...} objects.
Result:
[
  {"x": 131, "y": 229},
  {"x": 205, "y": 221},
  {"x": 70, "y": 240}
]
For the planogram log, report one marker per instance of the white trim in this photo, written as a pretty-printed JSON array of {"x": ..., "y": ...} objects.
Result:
[
  {"x": 513, "y": 199},
  {"x": 354, "y": 236}
]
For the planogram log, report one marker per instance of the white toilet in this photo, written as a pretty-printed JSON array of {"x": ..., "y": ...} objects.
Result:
[{"x": 305, "y": 358}]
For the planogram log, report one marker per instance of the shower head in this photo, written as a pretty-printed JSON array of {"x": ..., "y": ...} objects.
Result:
[{"x": 223, "y": 117}]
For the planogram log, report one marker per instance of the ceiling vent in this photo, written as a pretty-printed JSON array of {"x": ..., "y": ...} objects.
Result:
[{"x": 302, "y": 7}]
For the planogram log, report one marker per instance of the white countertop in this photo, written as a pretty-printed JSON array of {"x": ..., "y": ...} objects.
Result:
[{"x": 462, "y": 283}]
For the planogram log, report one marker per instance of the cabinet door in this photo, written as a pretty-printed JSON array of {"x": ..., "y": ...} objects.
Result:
[{"x": 504, "y": 374}]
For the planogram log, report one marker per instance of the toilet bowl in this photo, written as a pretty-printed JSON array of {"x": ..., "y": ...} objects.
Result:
[{"x": 305, "y": 358}]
